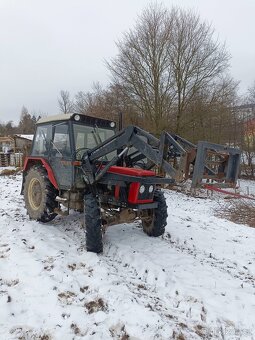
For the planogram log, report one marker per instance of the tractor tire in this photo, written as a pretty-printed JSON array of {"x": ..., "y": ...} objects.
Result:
[
  {"x": 39, "y": 195},
  {"x": 154, "y": 224},
  {"x": 93, "y": 224}
]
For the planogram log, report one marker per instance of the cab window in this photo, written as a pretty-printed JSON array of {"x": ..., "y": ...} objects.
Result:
[
  {"x": 42, "y": 140},
  {"x": 88, "y": 137},
  {"x": 61, "y": 141}
]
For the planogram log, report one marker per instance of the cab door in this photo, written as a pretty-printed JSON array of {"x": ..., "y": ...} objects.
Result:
[{"x": 61, "y": 155}]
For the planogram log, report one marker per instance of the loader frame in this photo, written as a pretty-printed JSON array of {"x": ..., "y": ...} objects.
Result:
[{"x": 172, "y": 155}]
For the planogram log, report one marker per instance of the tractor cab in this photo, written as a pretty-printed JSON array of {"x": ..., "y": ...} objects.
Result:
[{"x": 61, "y": 140}]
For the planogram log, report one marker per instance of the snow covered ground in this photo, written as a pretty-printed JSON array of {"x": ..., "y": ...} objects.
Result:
[{"x": 198, "y": 281}]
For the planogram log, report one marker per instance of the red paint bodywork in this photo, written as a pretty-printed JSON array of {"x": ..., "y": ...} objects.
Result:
[
  {"x": 131, "y": 171},
  {"x": 134, "y": 193},
  {"x": 30, "y": 161},
  {"x": 117, "y": 192},
  {"x": 134, "y": 187}
]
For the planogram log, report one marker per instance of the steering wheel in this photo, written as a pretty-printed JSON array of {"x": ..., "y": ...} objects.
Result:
[{"x": 79, "y": 153}]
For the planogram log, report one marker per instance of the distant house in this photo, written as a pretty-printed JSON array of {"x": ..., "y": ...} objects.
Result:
[
  {"x": 250, "y": 127},
  {"x": 14, "y": 148}
]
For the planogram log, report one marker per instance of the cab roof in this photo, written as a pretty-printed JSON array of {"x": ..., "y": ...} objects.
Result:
[
  {"x": 87, "y": 120},
  {"x": 55, "y": 118}
]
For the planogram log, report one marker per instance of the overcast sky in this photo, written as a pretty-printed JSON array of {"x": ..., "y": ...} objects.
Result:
[{"x": 49, "y": 45}]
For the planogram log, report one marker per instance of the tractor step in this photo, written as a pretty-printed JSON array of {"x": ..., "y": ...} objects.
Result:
[{"x": 61, "y": 199}]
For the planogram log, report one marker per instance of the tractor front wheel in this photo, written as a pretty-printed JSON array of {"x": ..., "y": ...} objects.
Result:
[
  {"x": 93, "y": 224},
  {"x": 39, "y": 195},
  {"x": 155, "y": 220}
]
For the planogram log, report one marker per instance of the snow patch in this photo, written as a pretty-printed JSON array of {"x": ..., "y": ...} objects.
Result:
[{"x": 197, "y": 281}]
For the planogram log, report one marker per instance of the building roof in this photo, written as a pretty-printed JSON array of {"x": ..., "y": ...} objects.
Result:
[
  {"x": 11, "y": 139},
  {"x": 28, "y": 137}
]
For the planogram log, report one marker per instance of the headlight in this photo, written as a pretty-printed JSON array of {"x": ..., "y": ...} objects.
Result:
[
  {"x": 77, "y": 118},
  {"x": 151, "y": 189},
  {"x": 142, "y": 189},
  {"x": 112, "y": 124}
]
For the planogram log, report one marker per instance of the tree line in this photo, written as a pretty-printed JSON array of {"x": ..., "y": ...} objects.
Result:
[
  {"x": 26, "y": 124},
  {"x": 170, "y": 73}
]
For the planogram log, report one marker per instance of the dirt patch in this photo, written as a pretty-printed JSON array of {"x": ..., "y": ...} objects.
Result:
[
  {"x": 21, "y": 333},
  {"x": 66, "y": 297},
  {"x": 119, "y": 332},
  {"x": 202, "y": 332},
  {"x": 75, "y": 329},
  {"x": 96, "y": 305},
  {"x": 9, "y": 283},
  {"x": 178, "y": 336},
  {"x": 84, "y": 289}
]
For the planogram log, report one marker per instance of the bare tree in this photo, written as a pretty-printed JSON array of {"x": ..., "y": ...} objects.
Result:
[
  {"x": 251, "y": 94},
  {"x": 107, "y": 103},
  {"x": 90, "y": 103},
  {"x": 248, "y": 133},
  {"x": 142, "y": 68},
  {"x": 65, "y": 103},
  {"x": 197, "y": 59},
  {"x": 209, "y": 116},
  {"x": 82, "y": 102},
  {"x": 165, "y": 61}
]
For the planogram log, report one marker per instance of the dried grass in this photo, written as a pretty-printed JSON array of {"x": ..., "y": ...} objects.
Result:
[
  {"x": 9, "y": 172},
  {"x": 241, "y": 212}
]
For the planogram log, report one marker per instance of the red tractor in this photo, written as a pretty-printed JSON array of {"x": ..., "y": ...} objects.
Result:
[{"x": 83, "y": 163}]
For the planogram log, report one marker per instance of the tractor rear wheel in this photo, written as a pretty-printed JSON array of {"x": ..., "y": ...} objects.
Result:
[
  {"x": 93, "y": 224},
  {"x": 155, "y": 221},
  {"x": 39, "y": 195}
]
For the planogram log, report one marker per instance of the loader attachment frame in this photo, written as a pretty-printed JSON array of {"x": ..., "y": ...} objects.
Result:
[{"x": 216, "y": 164}]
